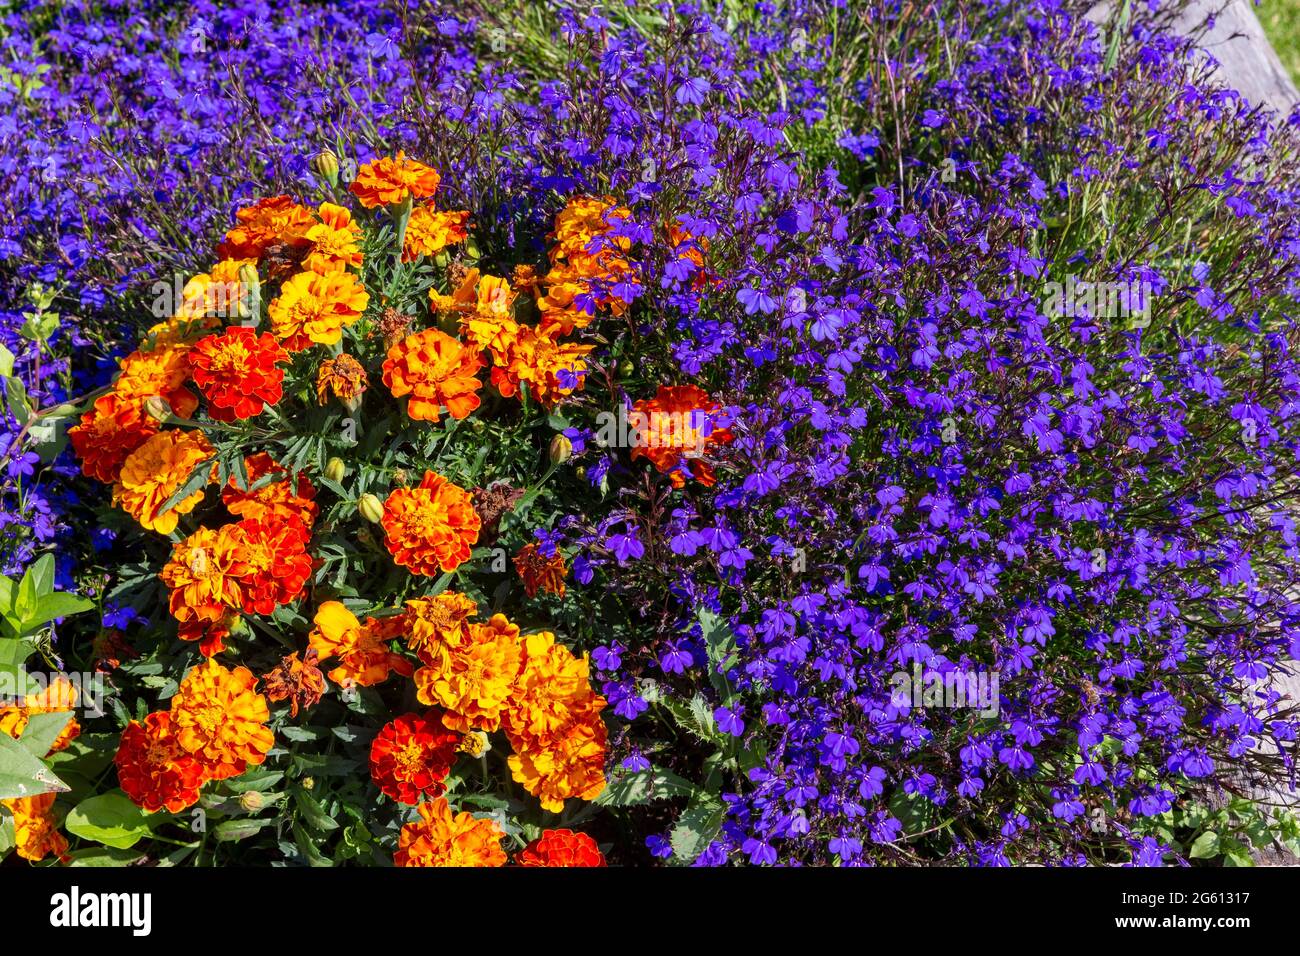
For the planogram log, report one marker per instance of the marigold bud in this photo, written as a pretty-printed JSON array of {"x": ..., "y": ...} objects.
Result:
[
  {"x": 252, "y": 801},
  {"x": 326, "y": 167},
  {"x": 156, "y": 407},
  {"x": 626, "y": 368},
  {"x": 371, "y": 508},
  {"x": 309, "y": 783},
  {"x": 335, "y": 470},
  {"x": 560, "y": 450}
]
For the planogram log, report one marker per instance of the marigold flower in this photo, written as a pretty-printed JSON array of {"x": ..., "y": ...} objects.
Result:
[
  {"x": 363, "y": 656},
  {"x": 220, "y": 719},
  {"x": 313, "y": 308},
  {"x": 571, "y": 764},
  {"x": 474, "y": 680},
  {"x": 435, "y": 370},
  {"x": 155, "y": 471},
  {"x": 152, "y": 768},
  {"x": 162, "y": 371},
  {"x": 299, "y": 681},
  {"x": 276, "y": 562},
  {"x": 411, "y": 757},
  {"x": 110, "y": 430},
  {"x": 335, "y": 240},
  {"x": 443, "y": 838},
  {"x": 561, "y": 848},
  {"x": 553, "y": 692},
  {"x": 539, "y": 571},
  {"x": 36, "y": 831},
  {"x": 205, "y": 576},
  {"x": 677, "y": 426},
  {"x": 237, "y": 372},
  {"x": 281, "y": 498},
  {"x": 463, "y": 298},
  {"x": 429, "y": 232},
  {"x": 430, "y": 527},
  {"x": 389, "y": 181},
  {"x": 343, "y": 377},
  {"x": 438, "y": 621},
  {"x": 547, "y": 368},
  {"x": 57, "y": 697},
  {"x": 276, "y": 219}
]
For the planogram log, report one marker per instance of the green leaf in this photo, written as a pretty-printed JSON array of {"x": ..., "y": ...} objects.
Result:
[
  {"x": 111, "y": 819},
  {"x": 106, "y": 856},
  {"x": 42, "y": 575},
  {"x": 232, "y": 831},
  {"x": 7, "y": 839},
  {"x": 1206, "y": 846},
  {"x": 314, "y": 813},
  {"x": 696, "y": 828},
  {"x": 42, "y": 730},
  {"x": 56, "y": 605},
  {"x": 642, "y": 787},
  {"x": 6, "y": 362},
  {"x": 199, "y": 478},
  {"x": 22, "y": 774}
]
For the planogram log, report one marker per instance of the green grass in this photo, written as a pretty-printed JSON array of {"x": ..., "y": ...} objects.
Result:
[{"x": 1281, "y": 20}]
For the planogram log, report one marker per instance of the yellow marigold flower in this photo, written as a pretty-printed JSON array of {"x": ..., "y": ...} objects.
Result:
[
  {"x": 343, "y": 377},
  {"x": 553, "y": 691},
  {"x": 220, "y": 718},
  {"x": 362, "y": 652},
  {"x": 312, "y": 307},
  {"x": 431, "y": 527},
  {"x": 443, "y": 838},
  {"x": 474, "y": 680},
  {"x": 429, "y": 232},
  {"x": 203, "y": 577},
  {"x": 435, "y": 370},
  {"x": 162, "y": 371},
  {"x": 336, "y": 240},
  {"x": 565, "y": 766},
  {"x": 388, "y": 181},
  {"x": 548, "y": 369},
  {"x": 436, "y": 622},
  {"x": 36, "y": 834},
  {"x": 463, "y": 299},
  {"x": 154, "y": 472},
  {"x": 57, "y": 697}
]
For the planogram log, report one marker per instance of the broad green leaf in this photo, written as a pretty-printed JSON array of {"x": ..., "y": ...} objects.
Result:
[
  {"x": 56, "y": 605},
  {"x": 106, "y": 856},
  {"x": 6, "y": 362},
  {"x": 1206, "y": 846},
  {"x": 7, "y": 839},
  {"x": 232, "y": 831},
  {"x": 696, "y": 828},
  {"x": 22, "y": 774},
  {"x": 110, "y": 818},
  {"x": 42, "y": 730},
  {"x": 642, "y": 787},
  {"x": 42, "y": 575},
  {"x": 313, "y": 813}
]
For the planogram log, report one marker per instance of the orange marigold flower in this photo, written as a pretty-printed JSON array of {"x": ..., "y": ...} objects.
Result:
[
  {"x": 342, "y": 377},
  {"x": 571, "y": 764},
  {"x": 155, "y": 471},
  {"x": 435, "y": 370},
  {"x": 276, "y": 219},
  {"x": 110, "y": 430},
  {"x": 547, "y": 368},
  {"x": 237, "y": 372},
  {"x": 363, "y": 656},
  {"x": 273, "y": 550},
  {"x": 430, "y": 527},
  {"x": 36, "y": 831},
  {"x": 411, "y": 757},
  {"x": 474, "y": 680},
  {"x": 561, "y": 848},
  {"x": 204, "y": 576},
  {"x": 439, "y": 621},
  {"x": 152, "y": 768},
  {"x": 335, "y": 240},
  {"x": 312, "y": 307},
  {"x": 540, "y": 571},
  {"x": 553, "y": 691},
  {"x": 463, "y": 298},
  {"x": 281, "y": 498},
  {"x": 388, "y": 181},
  {"x": 429, "y": 232},
  {"x": 59, "y": 696},
  {"x": 162, "y": 371},
  {"x": 443, "y": 838},
  {"x": 676, "y": 427},
  {"x": 220, "y": 719},
  {"x": 299, "y": 681}
]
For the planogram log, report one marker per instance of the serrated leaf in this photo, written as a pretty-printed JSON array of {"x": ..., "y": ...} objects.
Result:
[
  {"x": 697, "y": 827},
  {"x": 644, "y": 786},
  {"x": 24, "y": 775}
]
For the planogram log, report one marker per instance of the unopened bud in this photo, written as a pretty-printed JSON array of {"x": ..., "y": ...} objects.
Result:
[
  {"x": 308, "y": 783},
  {"x": 626, "y": 368},
  {"x": 335, "y": 470},
  {"x": 371, "y": 508},
  {"x": 560, "y": 450},
  {"x": 252, "y": 801},
  {"x": 326, "y": 167},
  {"x": 156, "y": 407}
]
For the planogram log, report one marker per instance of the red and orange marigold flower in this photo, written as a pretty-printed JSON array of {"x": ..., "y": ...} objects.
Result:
[
  {"x": 434, "y": 369},
  {"x": 540, "y": 572},
  {"x": 163, "y": 372},
  {"x": 342, "y": 377},
  {"x": 153, "y": 769},
  {"x": 474, "y": 680},
  {"x": 270, "y": 221},
  {"x": 391, "y": 180},
  {"x": 155, "y": 471},
  {"x": 443, "y": 838},
  {"x": 281, "y": 498},
  {"x": 238, "y": 372},
  {"x": 110, "y": 430},
  {"x": 437, "y": 622},
  {"x": 431, "y": 527},
  {"x": 676, "y": 427},
  {"x": 220, "y": 719},
  {"x": 335, "y": 240},
  {"x": 205, "y": 577},
  {"x": 276, "y": 563},
  {"x": 561, "y": 848},
  {"x": 361, "y": 651},
  {"x": 36, "y": 831},
  {"x": 412, "y": 756}
]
